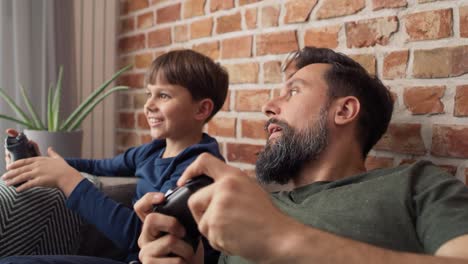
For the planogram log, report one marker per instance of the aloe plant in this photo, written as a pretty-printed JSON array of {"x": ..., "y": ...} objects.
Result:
[{"x": 54, "y": 123}]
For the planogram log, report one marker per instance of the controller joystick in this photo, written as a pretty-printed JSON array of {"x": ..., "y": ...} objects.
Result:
[{"x": 176, "y": 206}]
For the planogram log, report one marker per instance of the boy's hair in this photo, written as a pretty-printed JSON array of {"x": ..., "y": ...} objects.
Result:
[
  {"x": 347, "y": 77},
  {"x": 199, "y": 74}
]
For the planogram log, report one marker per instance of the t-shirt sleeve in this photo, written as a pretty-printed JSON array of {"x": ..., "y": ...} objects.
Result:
[{"x": 441, "y": 206}]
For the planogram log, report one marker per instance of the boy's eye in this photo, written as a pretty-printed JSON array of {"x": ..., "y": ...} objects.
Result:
[
  {"x": 164, "y": 96},
  {"x": 293, "y": 92}
]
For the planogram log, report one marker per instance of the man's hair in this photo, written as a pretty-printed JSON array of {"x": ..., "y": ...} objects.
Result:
[
  {"x": 348, "y": 78},
  {"x": 199, "y": 74}
]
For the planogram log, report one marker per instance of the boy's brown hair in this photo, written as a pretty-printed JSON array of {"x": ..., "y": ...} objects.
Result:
[{"x": 199, "y": 74}]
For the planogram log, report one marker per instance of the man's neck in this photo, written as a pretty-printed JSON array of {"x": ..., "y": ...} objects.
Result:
[{"x": 333, "y": 164}]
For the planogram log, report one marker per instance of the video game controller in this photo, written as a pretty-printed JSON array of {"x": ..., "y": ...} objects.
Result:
[
  {"x": 19, "y": 148},
  {"x": 176, "y": 205}
]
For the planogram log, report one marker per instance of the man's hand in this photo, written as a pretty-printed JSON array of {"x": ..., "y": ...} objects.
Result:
[
  {"x": 161, "y": 236},
  {"x": 52, "y": 171},
  {"x": 234, "y": 212}
]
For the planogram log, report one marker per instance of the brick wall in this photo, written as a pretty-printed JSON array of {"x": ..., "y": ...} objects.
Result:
[{"x": 419, "y": 48}]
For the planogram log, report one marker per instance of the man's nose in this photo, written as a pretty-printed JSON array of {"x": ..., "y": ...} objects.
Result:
[{"x": 271, "y": 108}]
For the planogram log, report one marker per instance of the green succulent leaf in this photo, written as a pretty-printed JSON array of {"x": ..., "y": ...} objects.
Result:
[
  {"x": 26, "y": 124},
  {"x": 15, "y": 107},
  {"x": 77, "y": 122},
  {"x": 84, "y": 105},
  {"x": 35, "y": 118},
  {"x": 56, "y": 102}
]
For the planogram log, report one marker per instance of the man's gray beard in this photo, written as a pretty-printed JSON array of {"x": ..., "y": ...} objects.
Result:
[{"x": 281, "y": 161}]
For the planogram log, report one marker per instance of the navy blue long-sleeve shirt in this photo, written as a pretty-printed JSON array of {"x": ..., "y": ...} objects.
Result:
[{"x": 155, "y": 174}]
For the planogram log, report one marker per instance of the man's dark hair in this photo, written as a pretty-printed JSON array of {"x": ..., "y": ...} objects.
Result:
[
  {"x": 199, "y": 74},
  {"x": 348, "y": 78}
]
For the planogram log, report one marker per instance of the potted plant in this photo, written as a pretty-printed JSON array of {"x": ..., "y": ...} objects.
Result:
[{"x": 64, "y": 134}]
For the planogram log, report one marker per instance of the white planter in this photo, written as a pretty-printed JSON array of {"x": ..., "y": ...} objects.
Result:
[{"x": 67, "y": 144}]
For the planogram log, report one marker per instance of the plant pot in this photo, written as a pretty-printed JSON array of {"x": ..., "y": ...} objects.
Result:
[{"x": 67, "y": 144}]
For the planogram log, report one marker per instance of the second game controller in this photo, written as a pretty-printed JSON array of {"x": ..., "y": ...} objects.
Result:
[
  {"x": 19, "y": 148},
  {"x": 176, "y": 205}
]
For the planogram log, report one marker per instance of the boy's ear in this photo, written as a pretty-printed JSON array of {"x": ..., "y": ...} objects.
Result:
[
  {"x": 204, "y": 110},
  {"x": 346, "y": 110}
]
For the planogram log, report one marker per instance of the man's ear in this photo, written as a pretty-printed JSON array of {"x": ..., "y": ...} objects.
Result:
[
  {"x": 346, "y": 110},
  {"x": 204, "y": 109}
]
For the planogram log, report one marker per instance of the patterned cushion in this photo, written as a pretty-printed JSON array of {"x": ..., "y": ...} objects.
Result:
[{"x": 37, "y": 222}]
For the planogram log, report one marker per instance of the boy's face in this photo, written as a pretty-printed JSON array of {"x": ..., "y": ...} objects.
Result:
[{"x": 170, "y": 111}]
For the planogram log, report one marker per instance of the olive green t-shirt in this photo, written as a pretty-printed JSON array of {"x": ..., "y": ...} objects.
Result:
[{"x": 413, "y": 208}]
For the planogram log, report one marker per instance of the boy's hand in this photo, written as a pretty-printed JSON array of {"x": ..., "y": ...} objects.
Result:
[
  {"x": 52, "y": 171},
  {"x": 161, "y": 236}
]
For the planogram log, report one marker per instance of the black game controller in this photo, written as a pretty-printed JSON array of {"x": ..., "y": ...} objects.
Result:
[
  {"x": 176, "y": 205},
  {"x": 19, "y": 148}
]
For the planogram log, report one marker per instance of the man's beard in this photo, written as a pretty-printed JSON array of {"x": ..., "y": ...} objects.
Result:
[{"x": 283, "y": 159}]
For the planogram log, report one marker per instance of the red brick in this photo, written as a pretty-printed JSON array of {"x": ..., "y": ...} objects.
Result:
[
  {"x": 324, "y": 37},
  {"x": 429, "y": 25},
  {"x": 132, "y": 43},
  {"x": 367, "y": 61},
  {"x": 124, "y": 100},
  {"x": 466, "y": 176},
  {"x": 395, "y": 64},
  {"x": 125, "y": 61},
  {"x": 127, "y": 25},
  {"x": 143, "y": 61},
  {"x": 367, "y": 33},
  {"x": 402, "y": 138},
  {"x": 461, "y": 101},
  {"x": 380, "y": 4},
  {"x": 336, "y": 8},
  {"x": 159, "y": 38},
  {"x": 298, "y": 10},
  {"x": 242, "y": 73},
  {"x": 373, "y": 163},
  {"x": 228, "y": 23},
  {"x": 253, "y": 129},
  {"x": 270, "y": 15},
  {"x": 464, "y": 21},
  {"x": 276, "y": 43},
  {"x": 227, "y": 102},
  {"x": 251, "y": 18},
  {"x": 201, "y": 28},
  {"x": 210, "y": 49},
  {"x": 126, "y": 120},
  {"x": 246, "y": 2},
  {"x": 145, "y": 20},
  {"x": 216, "y": 5},
  {"x": 245, "y": 153},
  {"x": 272, "y": 72},
  {"x": 142, "y": 121},
  {"x": 450, "y": 141},
  {"x": 181, "y": 33},
  {"x": 251, "y": 100},
  {"x": 448, "y": 168},
  {"x": 126, "y": 139},
  {"x": 139, "y": 100},
  {"x": 133, "y": 80},
  {"x": 440, "y": 62},
  {"x": 168, "y": 14},
  {"x": 222, "y": 126},
  {"x": 133, "y": 5},
  {"x": 424, "y": 100},
  {"x": 193, "y": 8},
  {"x": 240, "y": 47}
]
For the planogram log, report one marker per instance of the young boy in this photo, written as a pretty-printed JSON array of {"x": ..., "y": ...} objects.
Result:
[{"x": 185, "y": 89}]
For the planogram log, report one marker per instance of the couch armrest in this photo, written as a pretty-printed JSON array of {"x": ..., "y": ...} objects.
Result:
[{"x": 120, "y": 189}]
